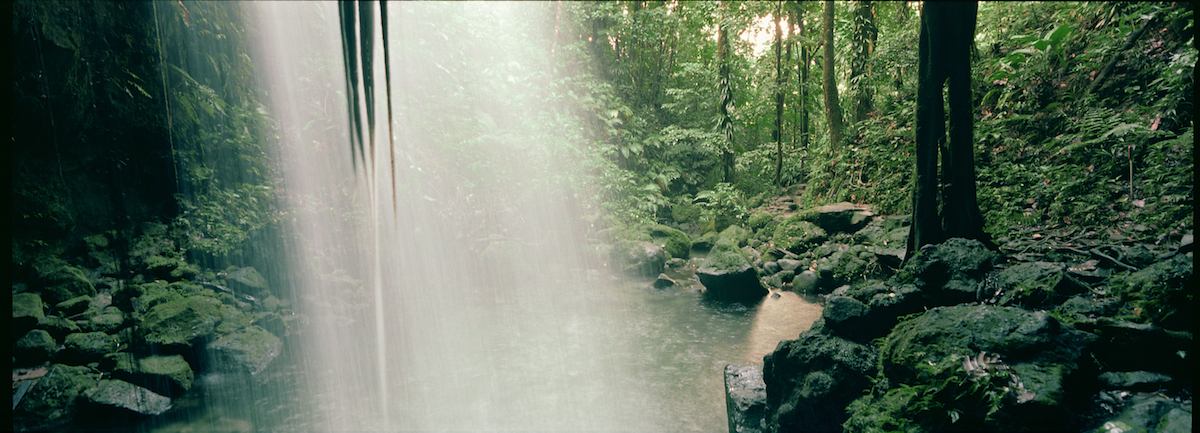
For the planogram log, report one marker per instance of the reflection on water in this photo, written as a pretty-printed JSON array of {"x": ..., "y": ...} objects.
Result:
[{"x": 615, "y": 355}]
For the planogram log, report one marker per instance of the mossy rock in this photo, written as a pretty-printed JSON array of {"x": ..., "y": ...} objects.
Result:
[
  {"x": 639, "y": 258},
  {"x": 247, "y": 351},
  {"x": 685, "y": 213},
  {"x": 181, "y": 321},
  {"x": 110, "y": 321},
  {"x": 232, "y": 319},
  {"x": 169, "y": 268},
  {"x": 151, "y": 294},
  {"x": 738, "y": 235},
  {"x": 51, "y": 402},
  {"x": 123, "y": 395},
  {"x": 759, "y": 219},
  {"x": 797, "y": 235},
  {"x": 33, "y": 348},
  {"x": 74, "y": 305},
  {"x": 1162, "y": 293},
  {"x": 85, "y": 347},
  {"x": 728, "y": 274},
  {"x": 57, "y": 326},
  {"x": 166, "y": 375},
  {"x": 61, "y": 281},
  {"x": 27, "y": 312},
  {"x": 674, "y": 241},
  {"x": 706, "y": 241}
]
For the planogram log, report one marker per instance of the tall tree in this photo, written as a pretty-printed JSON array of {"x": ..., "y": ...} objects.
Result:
[
  {"x": 725, "y": 93},
  {"x": 864, "y": 35},
  {"x": 833, "y": 111},
  {"x": 944, "y": 57},
  {"x": 779, "y": 79},
  {"x": 803, "y": 78}
]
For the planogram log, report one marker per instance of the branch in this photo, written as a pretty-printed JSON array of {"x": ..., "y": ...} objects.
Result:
[{"x": 1129, "y": 42}]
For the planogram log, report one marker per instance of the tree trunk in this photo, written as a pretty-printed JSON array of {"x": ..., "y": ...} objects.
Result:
[
  {"x": 865, "y": 35},
  {"x": 944, "y": 57},
  {"x": 804, "y": 60},
  {"x": 778, "y": 94},
  {"x": 833, "y": 111},
  {"x": 725, "y": 93}
]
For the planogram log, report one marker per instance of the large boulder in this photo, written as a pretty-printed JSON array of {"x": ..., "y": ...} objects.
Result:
[
  {"x": 165, "y": 375},
  {"x": 180, "y": 321},
  {"x": 797, "y": 235},
  {"x": 247, "y": 351},
  {"x": 674, "y": 241},
  {"x": 951, "y": 271},
  {"x": 61, "y": 281},
  {"x": 986, "y": 367},
  {"x": 247, "y": 280},
  {"x": 745, "y": 398},
  {"x": 639, "y": 258},
  {"x": 85, "y": 347},
  {"x": 728, "y": 275},
  {"x": 838, "y": 217},
  {"x": 33, "y": 348},
  {"x": 811, "y": 379},
  {"x": 119, "y": 394}
]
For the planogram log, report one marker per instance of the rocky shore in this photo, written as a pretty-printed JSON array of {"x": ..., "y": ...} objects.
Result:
[
  {"x": 98, "y": 337},
  {"x": 1062, "y": 329}
]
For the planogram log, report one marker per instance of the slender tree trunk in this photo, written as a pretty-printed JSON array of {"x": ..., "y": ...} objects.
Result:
[
  {"x": 725, "y": 90},
  {"x": 833, "y": 111},
  {"x": 803, "y": 81},
  {"x": 865, "y": 35},
  {"x": 779, "y": 80}
]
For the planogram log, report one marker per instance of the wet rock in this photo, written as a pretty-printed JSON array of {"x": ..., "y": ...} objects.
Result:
[
  {"x": 738, "y": 235},
  {"x": 745, "y": 398},
  {"x": 165, "y": 375},
  {"x": 1042, "y": 352},
  {"x": 1152, "y": 413},
  {"x": 50, "y": 402},
  {"x": 84, "y": 347},
  {"x": 781, "y": 278},
  {"x": 797, "y": 236},
  {"x": 839, "y": 217},
  {"x": 810, "y": 381},
  {"x": 806, "y": 282},
  {"x": 247, "y": 280},
  {"x": 1135, "y": 380},
  {"x": 34, "y": 348},
  {"x": 180, "y": 321},
  {"x": 1127, "y": 346},
  {"x": 639, "y": 258},
  {"x": 770, "y": 268},
  {"x": 953, "y": 270},
  {"x": 120, "y": 394},
  {"x": 676, "y": 263},
  {"x": 247, "y": 351},
  {"x": 1036, "y": 284},
  {"x": 27, "y": 312},
  {"x": 845, "y": 316},
  {"x": 663, "y": 282},
  {"x": 61, "y": 281},
  {"x": 728, "y": 275}
]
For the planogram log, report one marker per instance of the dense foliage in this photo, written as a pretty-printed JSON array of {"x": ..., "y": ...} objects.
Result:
[{"x": 1059, "y": 140}]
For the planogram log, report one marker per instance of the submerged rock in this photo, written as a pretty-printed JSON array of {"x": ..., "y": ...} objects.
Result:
[{"x": 745, "y": 398}]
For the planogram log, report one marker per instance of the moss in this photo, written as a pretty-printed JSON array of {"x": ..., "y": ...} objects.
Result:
[
  {"x": 797, "y": 235},
  {"x": 759, "y": 219},
  {"x": 675, "y": 242},
  {"x": 51, "y": 402},
  {"x": 685, "y": 213},
  {"x": 181, "y": 321},
  {"x": 1161, "y": 293},
  {"x": 736, "y": 234}
]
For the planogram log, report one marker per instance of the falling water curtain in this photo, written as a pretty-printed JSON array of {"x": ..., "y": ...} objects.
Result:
[{"x": 358, "y": 53}]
